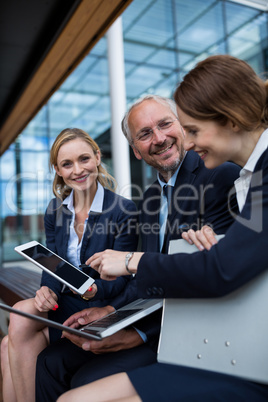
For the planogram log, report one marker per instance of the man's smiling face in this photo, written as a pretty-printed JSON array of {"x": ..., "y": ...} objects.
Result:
[{"x": 163, "y": 149}]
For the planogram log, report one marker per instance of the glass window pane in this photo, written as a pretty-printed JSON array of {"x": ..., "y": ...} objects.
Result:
[
  {"x": 203, "y": 32},
  {"x": 7, "y": 165},
  {"x": 36, "y": 196},
  {"x": 9, "y": 197},
  {"x": 34, "y": 165},
  {"x": 153, "y": 25},
  {"x": 187, "y": 12},
  {"x": 237, "y": 16}
]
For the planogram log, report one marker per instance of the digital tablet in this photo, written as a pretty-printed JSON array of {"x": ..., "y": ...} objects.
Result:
[
  {"x": 56, "y": 266},
  {"x": 105, "y": 326}
]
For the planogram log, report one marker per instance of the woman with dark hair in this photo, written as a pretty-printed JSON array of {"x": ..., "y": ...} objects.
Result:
[
  {"x": 85, "y": 217},
  {"x": 223, "y": 109}
]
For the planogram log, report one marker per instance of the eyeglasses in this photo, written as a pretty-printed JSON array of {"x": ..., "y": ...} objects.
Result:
[{"x": 147, "y": 134}]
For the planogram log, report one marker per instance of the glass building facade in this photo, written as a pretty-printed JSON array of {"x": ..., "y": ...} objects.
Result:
[{"x": 163, "y": 39}]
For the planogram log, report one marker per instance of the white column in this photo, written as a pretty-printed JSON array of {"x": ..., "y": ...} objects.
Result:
[{"x": 120, "y": 148}]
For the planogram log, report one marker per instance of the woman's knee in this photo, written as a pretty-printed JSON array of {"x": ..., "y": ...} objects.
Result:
[
  {"x": 19, "y": 324},
  {"x": 26, "y": 305}
]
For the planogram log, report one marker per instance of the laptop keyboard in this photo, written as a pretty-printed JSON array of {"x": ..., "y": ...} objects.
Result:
[{"x": 111, "y": 319}]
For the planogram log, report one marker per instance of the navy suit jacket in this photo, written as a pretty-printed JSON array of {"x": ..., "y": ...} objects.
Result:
[
  {"x": 200, "y": 196},
  {"x": 235, "y": 260},
  {"x": 114, "y": 228}
]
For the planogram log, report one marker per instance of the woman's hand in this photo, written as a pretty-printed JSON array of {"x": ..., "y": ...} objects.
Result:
[
  {"x": 91, "y": 292},
  {"x": 203, "y": 239},
  {"x": 45, "y": 299},
  {"x": 110, "y": 263}
]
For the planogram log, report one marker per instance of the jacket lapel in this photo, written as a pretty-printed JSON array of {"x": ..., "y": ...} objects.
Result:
[
  {"x": 182, "y": 191},
  {"x": 151, "y": 218},
  {"x": 63, "y": 220}
]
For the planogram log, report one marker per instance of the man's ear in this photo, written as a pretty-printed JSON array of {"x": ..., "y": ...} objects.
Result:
[{"x": 136, "y": 153}]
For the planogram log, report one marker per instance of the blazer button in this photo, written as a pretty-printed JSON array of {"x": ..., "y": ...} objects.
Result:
[
  {"x": 155, "y": 291},
  {"x": 149, "y": 292},
  {"x": 161, "y": 291}
]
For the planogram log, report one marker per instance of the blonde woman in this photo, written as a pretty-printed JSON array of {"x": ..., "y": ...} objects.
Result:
[{"x": 84, "y": 217}]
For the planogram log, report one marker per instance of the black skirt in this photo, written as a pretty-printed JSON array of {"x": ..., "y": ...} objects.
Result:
[{"x": 169, "y": 383}]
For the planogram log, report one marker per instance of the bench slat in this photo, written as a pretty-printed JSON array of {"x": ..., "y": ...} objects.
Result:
[{"x": 17, "y": 283}]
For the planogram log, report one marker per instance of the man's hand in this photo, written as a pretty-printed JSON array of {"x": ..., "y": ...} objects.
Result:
[
  {"x": 87, "y": 315},
  {"x": 203, "y": 239},
  {"x": 81, "y": 318},
  {"x": 124, "y": 339}
]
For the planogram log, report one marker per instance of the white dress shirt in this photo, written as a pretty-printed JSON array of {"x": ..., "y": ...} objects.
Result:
[
  {"x": 243, "y": 182},
  {"x": 163, "y": 214},
  {"x": 74, "y": 246}
]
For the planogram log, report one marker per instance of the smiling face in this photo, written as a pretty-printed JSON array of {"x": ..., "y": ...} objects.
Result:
[
  {"x": 214, "y": 143},
  {"x": 162, "y": 150},
  {"x": 78, "y": 165}
]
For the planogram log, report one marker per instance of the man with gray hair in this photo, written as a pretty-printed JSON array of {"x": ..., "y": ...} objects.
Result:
[
  {"x": 185, "y": 195},
  {"x": 198, "y": 195}
]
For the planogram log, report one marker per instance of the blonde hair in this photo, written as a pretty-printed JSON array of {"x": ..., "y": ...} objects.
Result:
[{"x": 60, "y": 189}]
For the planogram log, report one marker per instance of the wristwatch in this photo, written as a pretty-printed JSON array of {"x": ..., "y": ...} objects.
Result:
[
  {"x": 85, "y": 298},
  {"x": 127, "y": 259}
]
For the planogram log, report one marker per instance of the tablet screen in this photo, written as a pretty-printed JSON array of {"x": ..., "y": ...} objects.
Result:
[{"x": 56, "y": 265}]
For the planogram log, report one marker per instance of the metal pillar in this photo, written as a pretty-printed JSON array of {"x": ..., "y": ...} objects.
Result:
[{"x": 120, "y": 147}]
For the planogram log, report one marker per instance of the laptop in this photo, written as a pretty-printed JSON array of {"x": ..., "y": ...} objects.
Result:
[
  {"x": 105, "y": 326},
  {"x": 226, "y": 334}
]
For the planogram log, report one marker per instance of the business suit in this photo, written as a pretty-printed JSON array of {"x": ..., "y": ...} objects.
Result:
[
  {"x": 114, "y": 228},
  {"x": 234, "y": 261},
  {"x": 210, "y": 208},
  {"x": 199, "y": 198},
  {"x": 84, "y": 367}
]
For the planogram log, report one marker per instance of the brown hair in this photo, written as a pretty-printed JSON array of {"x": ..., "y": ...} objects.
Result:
[
  {"x": 223, "y": 87},
  {"x": 59, "y": 187}
]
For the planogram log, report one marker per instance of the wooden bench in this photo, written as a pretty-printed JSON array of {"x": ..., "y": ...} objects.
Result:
[{"x": 18, "y": 283}]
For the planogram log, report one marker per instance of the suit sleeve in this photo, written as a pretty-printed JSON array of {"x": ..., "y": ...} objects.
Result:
[
  {"x": 128, "y": 294},
  {"x": 126, "y": 239},
  {"x": 219, "y": 198},
  {"x": 235, "y": 260},
  {"x": 213, "y": 210}
]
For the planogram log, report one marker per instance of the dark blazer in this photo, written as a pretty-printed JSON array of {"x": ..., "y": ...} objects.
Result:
[
  {"x": 200, "y": 197},
  {"x": 114, "y": 228},
  {"x": 235, "y": 260},
  {"x": 239, "y": 257}
]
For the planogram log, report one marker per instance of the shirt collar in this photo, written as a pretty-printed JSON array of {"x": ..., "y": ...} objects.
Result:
[
  {"x": 69, "y": 202},
  {"x": 260, "y": 147},
  {"x": 97, "y": 204}
]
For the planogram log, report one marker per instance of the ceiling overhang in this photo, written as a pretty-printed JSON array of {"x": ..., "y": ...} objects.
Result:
[
  {"x": 259, "y": 4},
  {"x": 88, "y": 23}
]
